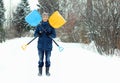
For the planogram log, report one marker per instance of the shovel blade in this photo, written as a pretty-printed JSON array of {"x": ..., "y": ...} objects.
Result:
[
  {"x": 24, "y": 46},
  {"x": 61, "y": 49}
]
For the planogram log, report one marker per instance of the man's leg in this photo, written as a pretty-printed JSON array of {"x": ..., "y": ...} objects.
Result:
[
  {"x": 48, "y": 54},
  {"x": 40, "y": 63}
]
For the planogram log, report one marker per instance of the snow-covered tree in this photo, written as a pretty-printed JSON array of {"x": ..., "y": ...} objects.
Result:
[
  {"x": 2, "y": 19},
  {"x": 103, "y": 19},
  {"x": 19, "y": 18}
]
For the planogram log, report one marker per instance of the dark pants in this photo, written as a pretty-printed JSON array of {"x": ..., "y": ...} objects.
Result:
[{"x": 41, "y": 58}]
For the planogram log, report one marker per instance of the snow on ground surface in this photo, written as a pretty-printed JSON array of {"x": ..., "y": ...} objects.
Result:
[{"x": 73, "y": 65}]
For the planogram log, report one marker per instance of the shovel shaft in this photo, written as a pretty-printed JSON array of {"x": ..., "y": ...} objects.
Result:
[
  {"x": 54, "y": 41},
  {"x": 50, "y": 36},
  {"x": 31, "y": 40},
  {"x": 37, "y": 36}
]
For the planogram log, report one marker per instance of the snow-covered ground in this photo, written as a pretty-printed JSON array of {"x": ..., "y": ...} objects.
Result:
[{"x": 73, "y": 65}]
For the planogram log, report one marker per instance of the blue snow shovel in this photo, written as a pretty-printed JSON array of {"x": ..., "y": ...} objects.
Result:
[
  {"x": 33, "y": 18},
  {"x": 59, "y": 47}
]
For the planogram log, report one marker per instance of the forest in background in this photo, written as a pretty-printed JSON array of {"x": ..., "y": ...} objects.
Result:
[{"x": 87, "y": 21}]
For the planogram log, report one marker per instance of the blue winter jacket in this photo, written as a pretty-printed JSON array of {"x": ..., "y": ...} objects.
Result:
[{"x": 45, "y": 42}]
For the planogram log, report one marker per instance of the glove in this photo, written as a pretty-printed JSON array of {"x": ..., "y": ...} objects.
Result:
[
  {"x": 48, "y": 34},
  {"x": 40, "y": 33}
]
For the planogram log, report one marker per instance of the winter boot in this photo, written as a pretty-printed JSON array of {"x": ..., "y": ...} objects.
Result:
[
  {"x": 40, "y": 71},
  {"x": 47, "y": 71}
]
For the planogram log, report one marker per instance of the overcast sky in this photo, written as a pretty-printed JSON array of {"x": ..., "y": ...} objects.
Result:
[{"x": 13, "y": 3}]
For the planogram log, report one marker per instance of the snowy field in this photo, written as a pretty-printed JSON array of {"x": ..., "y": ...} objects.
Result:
[{"x": 73, "y": 65}]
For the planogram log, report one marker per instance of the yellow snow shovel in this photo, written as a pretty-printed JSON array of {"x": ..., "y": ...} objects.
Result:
[
  {"x": 25, "y": 45},
  {"x": 56, "y": 20}
]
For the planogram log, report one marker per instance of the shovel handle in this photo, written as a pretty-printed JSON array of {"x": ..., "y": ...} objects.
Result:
[
  {"x": 32, "y": 40},
  {"x": 25, "y": 45}
]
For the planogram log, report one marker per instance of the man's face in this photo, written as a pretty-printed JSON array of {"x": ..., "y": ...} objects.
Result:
[{"x": 45, "y": 18}]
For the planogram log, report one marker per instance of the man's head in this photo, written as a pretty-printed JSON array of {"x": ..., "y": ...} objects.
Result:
[{"x": 45, "y": 17}]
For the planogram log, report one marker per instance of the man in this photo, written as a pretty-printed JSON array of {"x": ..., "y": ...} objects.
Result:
[{"x": 45, "y": 33}]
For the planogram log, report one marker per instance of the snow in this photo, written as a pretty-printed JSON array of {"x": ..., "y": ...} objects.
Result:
[{"x": 73, "y": 65}]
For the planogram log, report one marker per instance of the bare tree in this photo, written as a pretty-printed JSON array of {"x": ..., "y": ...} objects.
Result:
[
  {"x": 104, "y": 25},
  {"x": 48, "y": 5},
  {"x": 2, "y": 20},
  {"x": 74, "y": 29}
]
